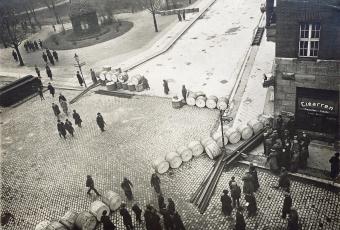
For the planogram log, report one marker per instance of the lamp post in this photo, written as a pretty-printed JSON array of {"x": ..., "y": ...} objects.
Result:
[
  {"x": 79, "y": 65},
  {"x": 222, "y": 120}
]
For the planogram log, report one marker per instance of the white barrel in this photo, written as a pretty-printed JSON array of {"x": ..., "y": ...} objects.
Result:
[
  {"x": 69, "y": 219},
  {"x": 174, "y": 159},
  {"x": 256, "y": 125},
  {"x": 233, "y": 135},
  {"x": 123, "y": 77},
  {"x": 102, "y": 76},
  {"x": 246, "y": 131},
  {"x": 106, "y": 68},
  {"x": 191, "y": 99},
  {"x": 196, "y": 148},
  {"x": 222, "y": 103},
  {"x": 97, "y": 208},
  {"x": 200, "y": 101},
  {"x": 111, "y": 76},
  {"x": 42, "y": 225},
  {"x": 217, "y": 136},
  {"x": 185, "y": 153},
  {"x": 86, "y": 221},
  {"x": 211, "y": 102},
  {"x": 136, "y": 79},
  {"x": 55, "y": 226},
  {"x": 206, "y": 140},
  {"x": 265, "y": 120},
  {"x": 160, "y": 165},
  {"x": 213, "y": 150},
  {"x": 200, "y": 93},
  {"x": 112, "y": 199}
]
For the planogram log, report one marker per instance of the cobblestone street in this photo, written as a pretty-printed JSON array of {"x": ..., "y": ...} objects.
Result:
[{"x": 43, "y": 175}]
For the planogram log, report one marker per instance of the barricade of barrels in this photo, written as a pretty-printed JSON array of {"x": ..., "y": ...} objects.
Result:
[
  {"x": 115, "y": 79},
  {"x": 86, "y": 220},
  {"x": 200, "y": 100}
]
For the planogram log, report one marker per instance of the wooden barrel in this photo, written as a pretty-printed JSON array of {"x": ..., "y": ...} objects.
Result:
[
  {"x": 174, "y": 159},
  {"x": 206, "y": 140},
  {"x": 102, "y": 76},
  {"x": 233, "y": 135},
  {"x": 246, "y": 131},
  {"x": 136, "y": 79},
  {"x": 160, "y": 165},
  {"x": 217, "y": 136},
  {"x": 86, "y": 221},
  {"x": 112, "y": 199},
  {"x": 119, "y": 85},
  {"x": 185, "y": 153},
  {"x": 131, "y": 87},
  {"x": 211, "y": 102},
  {"x": 213, "y": 150},
  {"x": 222, "y": 103},
  {"x": 256, "y": 125},
  {"x": 123, "y": 77},
  {"x": 264, "y": 120},
  {"x": 97, "y": 208},
  {"x": 42, "y": 225},
  {"x": 111, "y": 76},
  {"x": 196, "y": 148},
  {"x": 111, "y": 86},
  {"x": 200, "y": 93},
  {"x": 69, "y": 219},
  {"x": 139, "y": 88},
  {"x": 125, "y": 86},
  {"x": 191, "y": 99},
  {"x": 200, "y": 101},
  {"x": 106, "y": 68},
  {"x": 55, "y": 226}
]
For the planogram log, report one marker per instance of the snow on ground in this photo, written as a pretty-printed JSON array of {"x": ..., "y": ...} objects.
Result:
[{"x": 208, "y": 56}]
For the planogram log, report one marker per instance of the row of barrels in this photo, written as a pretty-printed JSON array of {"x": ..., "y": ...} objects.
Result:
[
  {"x": 200, "y": 100},
  {"x": 86, "y": 220}
]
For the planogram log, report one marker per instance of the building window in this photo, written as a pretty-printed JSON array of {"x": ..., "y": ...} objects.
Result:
[{"x": 309, "y": 40}]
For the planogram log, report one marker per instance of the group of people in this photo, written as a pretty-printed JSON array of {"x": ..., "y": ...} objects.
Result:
[
  {"x": 32, "y": 46},
  {"x": 250, "y": 186},
  {"x": 50, "y": 56},
  {"x": 180, "y": 18},
  {"x": 171, "y": 219}
]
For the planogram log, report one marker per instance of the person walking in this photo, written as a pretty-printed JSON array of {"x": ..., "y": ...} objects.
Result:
[
  {"x": 64, "y": 106},
  {"x": 155, "y": 182},
  {"x": 240, "y": 222},
  {"x": 93, "y": 76},
  {"x": 69, "y": 127},
  {"x": 226, "y": 203},
  {"x": 77, "y": 119},
  {"x": 55, "y": 55},
  {"x": 184, "y": 93},
  {"x": 56, "y": 110},
  {"x": 178, "y": 223},
  {"x": 48, "y": 72},
  {"x": 168, "y": 220},
  {"x": 253, "y": 173},
  {"x": 161, "y": 203},
  {"x": 171, "y": 206},
  {"x": 272, "y": 160},
  {"x": 15, "y": 56},
  {"x": 90, "y": 185},
  {"x": 248, "y": 183},
  {"x": 50, "y": 58},
  {"x": 61, "y": 98},
  {"x": 179, "y": 16},
  {"x": 41, "y": 94},
  {"x": 284, "y": 181},
  {"x": 36, "y": 46},
  {"x": 252, "y": 206},
  {"x": 334, "y": 165},
  {"x": 148, "y": 217},
  {"x": 61, "y": 129},
  {"x": 235, "y": 191},
  {"x": 100, "y": 122},
  {"x": 166, "y": 87},
  {"x": 156, "y": 225},
  {"x": 287, "y": 205},
  {"x": 80, "y": 79},
  {"x": 51, "y": 89},
  {"x": 184, "y": 15},
  {"x": 127, "y": 219},
  {"x": 107, "y": 223},
  {"x": 146, "y": 84},
  {"x": 44, "y": 56},
  {"x": 126, "y": 186},
  {"x": 293, "y": 220},
  {"x": 138, "y": 213},
  {"x": 37, "y": 70}
]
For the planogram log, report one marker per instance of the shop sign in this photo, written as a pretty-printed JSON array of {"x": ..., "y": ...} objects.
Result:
[{"x": 317, "y": 105}]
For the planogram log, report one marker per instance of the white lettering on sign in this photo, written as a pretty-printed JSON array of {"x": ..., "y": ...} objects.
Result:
[{"x": 316, "y": 106}]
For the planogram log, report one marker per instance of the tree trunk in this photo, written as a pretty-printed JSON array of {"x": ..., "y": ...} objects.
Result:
[
  {"x": 16, "y": 47},
  {"x": 55, "y": 12},
  {"x": 167, "y": 4},
  {"x": 154, "y": 21}
]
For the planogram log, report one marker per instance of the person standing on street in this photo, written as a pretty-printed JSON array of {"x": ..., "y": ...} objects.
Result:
[
  {"x": 126, "y": 186},
  {"x": 284, "y": 181},
  {"x": 184, "y": 15},
  {"x": 55, "y": 55},
  {"x": 44, "y": 56},
  {"x": 107, "y": 223},
  {"x": 62, "y": 98},
  {"x": 37, "y": 70},
  {"x": 146, "y": 84},
  {"x": 90, "y": 185},
  {"x": 179, "y": 16},
  {"x": 51, "y": 89},
  {"x": 235, "y": 191},
  {"x": 127, "y": 220},
  {"x": 69, "y": 127},
  {"x": 61, "y": 129},
  {"x": 100, "y": 122},
  {"x": 287, "y": 205},
  {"x": 77, "y": 119},
  {"x": 155, "y": 182},
  {"x": 166, "y": 87},
  {"x": 138, "y": 213},
  {"x": 156, "y": 225},
  {"x": 50, "y": 58},
  {"x": 240, "y": 222},
  {"x": 253, "y": 173},
  {"x": 252, "y": 206},
  {"x": 93, "y": 76},
  {"x": 167, "y": 219},
  {"x": 171, "y": 206},
  {"x": 148, "y": 217},
  {"x": 226, "y": 203},
  {"x": 15, "y": 56},
  {"x": 80, "y": 79},
  {"x": 248, "y": 184},
  {"x": 178, "y": 223},
  {"x": 334, "y": 165},
  {"x": 293, "y": 220},
  {"x": 56, "y": 110},
  {"x": 184, "y": 93},
  {"x": 48, "y": 72},
  {"x": 64, "y": 106},
  {"x": 41, "y": 94},
  {"x": 161, "y": 203}
]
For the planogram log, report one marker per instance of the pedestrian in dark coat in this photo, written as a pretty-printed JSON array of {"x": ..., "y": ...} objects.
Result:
[
  {"x": 155, "y": 182},
  {"x": 235, "y": 191},
  {"x": 183, "y": 15},
  {"x": 51, "y": 89},
  {"x": 93, "y": 76},
  {"x": 56, "y": 110},
  {"x": 146, "y": 84},
  {"x": 232, "y": 180},
  {"x": 50, "y": 58},
  {"x": 61, "y": 129},
  {"x": 126, "y": 186},
  {"x": 41, "y": 94},
  {"x": 44, "y": 56},
  {"x": 69, "y": 127},
  {"x": 90, "y": 185},
  {"x": 15, "y": 55},
  {"x": 252, "y": 206},
  {"x": 107, "y": 223},
  {"x": 240, "y": 222},
  {"x": 171, "y": 206},
  {"x": 184, "y": 93},
  {"x": 37, "y": 70},
  {"x": 285, "y": 158},
  {"x": 168, "y": 220},
  {"x": 127, "y": 220},
  {"x": 80, "y": 79},
  {"x": 138, "y": 212},
  {"x": 272, "y": 160},
  {"x": 64, "y": 106},
  {"x": 303, "y": 157},
  {"x": 62, "y": 98},
  {"x": 253, "y": 172},
  {"x": 287, "y": 205},
  {"x": 293, "y": 220},
  {"x": 148, "y": 217},
  {"x": 284, "y": 181},
  {"x": 48, "y": 72},
  {"x": 55, "y": 55},
  {"x": 226, "y": 203},
  {"x": 161, "y": 202},
  {"x": 36, "y": 46},
  {"x": 100, "y": 122},
  {"x": 156, "y": 225},
  {"x": 26, "y": 47},
  {"x": 77, "y": 119},
  {"x": 248, "y": 183},
  {"x": 334, "y": 165},
  {"x": 179, "y": 16},
  {"x": 178, "y": 223},
  {"x": 294, "y": 166},
  {"x": 166, "y": 87},
  {"x": 267, "y": 145},
  {"x": 291, "y": 126}
]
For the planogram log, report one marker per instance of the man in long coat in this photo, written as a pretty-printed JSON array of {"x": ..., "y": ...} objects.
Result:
[
  {"x": 69, "y": 127},
  {"x": 252, "y": 206},
  {"x": 334, "y": 165},
  {"x": 287, "y": 205},
  {"x": 226, "y": 203},
  {"x": 126, "y": 186},
  {"x": 56, "y": 110},
  {"x": 80, "y": 79},
  {"x": 107, "y": 223},
  {"x": 253, "y": 172},
  {"x": 100, "y": 122},
  {"x": 127, "y": 220},
  {"x": 61, "y": 129},
  {"x": 240, "y": 222},
  {"x": 155, "y": 182},
  {"x": 248, "y": 183},
  {"x": 77, "y": 119},
  {"x": 90, "y": 185}
]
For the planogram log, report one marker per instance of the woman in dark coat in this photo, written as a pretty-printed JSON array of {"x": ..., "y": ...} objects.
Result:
[
  {"x": 240, "y": 223},
  {"x": 77, "y": 119},
  {"x": 253, "y": 172},
  {"x": 48, "y": 72},
  {"x": 226, "y": 203},
  {"x": 334, "y": 165},
  {"x": 166, "y": 87},
  {"x": 284, "y": 181},
  {"x": 272, "y": 160},
  {"x": 126, "y": 186}
]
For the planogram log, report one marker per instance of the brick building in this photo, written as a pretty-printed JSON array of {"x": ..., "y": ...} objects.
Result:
[{"x": 307, "y": 64}]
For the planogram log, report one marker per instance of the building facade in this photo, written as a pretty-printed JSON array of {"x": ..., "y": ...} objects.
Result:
[
  {"x": 83, "y": 18},
  {"x": 307, "y": 64}
]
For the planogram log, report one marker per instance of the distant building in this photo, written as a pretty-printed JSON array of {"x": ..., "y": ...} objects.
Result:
[
  {"x": 307, "y": 64},
  {"x": 83, "y": 18}
]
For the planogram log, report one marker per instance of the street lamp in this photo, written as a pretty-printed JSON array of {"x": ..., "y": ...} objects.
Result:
[
  {"x": 79, "y": 65},
  {"x": 222, "y": 120}
]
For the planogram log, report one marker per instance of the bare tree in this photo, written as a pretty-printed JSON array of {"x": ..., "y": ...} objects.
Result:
[
  {"x": 152, "y": 6},
  {"x": 31, "y": 7},
  {"x": 51, "y": 6}
]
